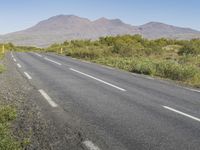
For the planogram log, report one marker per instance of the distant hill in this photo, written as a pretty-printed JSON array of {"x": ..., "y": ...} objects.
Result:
[
  {"x": 154, "y": 30},
  {"x": 68, "y": 27}
]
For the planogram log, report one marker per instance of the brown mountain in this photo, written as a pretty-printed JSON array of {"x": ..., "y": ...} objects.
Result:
[
  {"x": 68, "y": 27},
  {"x": 155, "y": 30}
]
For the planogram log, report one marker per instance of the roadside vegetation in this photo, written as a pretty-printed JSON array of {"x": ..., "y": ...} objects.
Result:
[
  {"x": 1, "y": 57},
  {"x": 7, "y": 115},
  {"x": 1, "y": 68},
  {"x": 7, "y": 140},
  {"x": 165, "y": 58},
  {"x": 27, "y": 48}
]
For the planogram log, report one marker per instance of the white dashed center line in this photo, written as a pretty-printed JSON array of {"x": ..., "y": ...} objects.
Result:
[
  {"x": 52, "y": 61},
  {"x": 14, "y": 59},
  {"x": 90, "y": 145},
  {"x": 19, "y": 66},
  {"x": 182, "y": 113},
  {"x": 49, "y": 100},
  {"x": 28, "y": 76},
  {"x": 121, "y": 89}
]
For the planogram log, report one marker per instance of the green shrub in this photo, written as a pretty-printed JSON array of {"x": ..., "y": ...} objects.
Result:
[
  {"x": 7, "y": 141},
  {"x": 195, "y": 81},
  {"x": 192, "y": 47},
  {"x": 143, "y": 66},
  {"x": 176, "y": 71},
  {"x": 86, "y": 53},
  {"x": 166, "y": 69}
]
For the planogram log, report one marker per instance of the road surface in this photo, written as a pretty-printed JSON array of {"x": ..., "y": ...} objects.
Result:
[{"x": 113, "y": 109}]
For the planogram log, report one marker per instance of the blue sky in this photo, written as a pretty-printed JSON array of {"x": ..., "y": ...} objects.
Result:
[{"x": 20, "y": 14}]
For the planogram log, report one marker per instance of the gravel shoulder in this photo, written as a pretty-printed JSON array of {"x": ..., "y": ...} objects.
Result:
[{"x": 35, "y": 126}]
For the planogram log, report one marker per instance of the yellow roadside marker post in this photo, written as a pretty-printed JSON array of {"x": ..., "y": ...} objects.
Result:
[{"x": 3, "y": 49}]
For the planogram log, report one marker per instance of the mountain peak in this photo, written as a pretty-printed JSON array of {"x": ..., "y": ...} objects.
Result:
[
  {"x": 153, "y": 23},
  {"x": 102, "y": 20},
  {"x": 65, "y": 17},
  {"x": 69, "y": 27}
]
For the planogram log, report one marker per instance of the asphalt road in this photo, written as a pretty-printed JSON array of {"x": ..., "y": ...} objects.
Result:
[{"x": 114, "y": 109}]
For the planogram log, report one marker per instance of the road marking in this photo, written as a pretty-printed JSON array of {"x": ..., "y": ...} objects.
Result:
[
  {"x": 182, "y": 113},
  {"x": 108, "y": 67},
  {"x": 98, "y": 79},
  {"x": 53, "y": 61},
  {"x": 38, "y": 54},
  {"x": 49, "y": 100},
  {"x": 150, "y": 78},
  {"x": 28, "y": 76},
  {"x": 14, "y": 59},
  {"x": 90, "y": 145},
  {"x": 86, "y": 61},
  {"x": 143, "y": 76},
  {"x": 19, "y": 66},
  {"x": 12, "y": 55},
  {"x": 193, "y": 90}
]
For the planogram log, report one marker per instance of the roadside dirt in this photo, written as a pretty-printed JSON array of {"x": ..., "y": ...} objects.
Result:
[{"x": 33, "y": 126}]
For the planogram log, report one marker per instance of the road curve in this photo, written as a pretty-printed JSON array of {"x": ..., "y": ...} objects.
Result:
[{"x": 116, "y": 109}]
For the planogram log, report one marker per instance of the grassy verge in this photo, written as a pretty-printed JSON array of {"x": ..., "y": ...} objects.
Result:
[
  {"x": 7, "y": 115},
  {"x": 7, "y": 141},
  {"x": 1, "y": 66}
]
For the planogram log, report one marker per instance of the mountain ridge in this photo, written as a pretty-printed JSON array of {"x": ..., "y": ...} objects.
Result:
[{"x": 60, "y": 28}]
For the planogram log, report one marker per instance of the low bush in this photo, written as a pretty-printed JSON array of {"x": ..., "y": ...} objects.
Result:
[
  {"x": 175, "y": 71},
  {"x": 84, "y": 53},
  {"x": 167, "y": 69},
  {"x": 143, "y": 66}
]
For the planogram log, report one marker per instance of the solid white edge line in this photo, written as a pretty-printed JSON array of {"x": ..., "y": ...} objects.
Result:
[
  {"x": 52, "y": 61},
  {"x": 19, "y": 66},
  {"x": 48, "y": 99},
  {"x": 182, "y": 113},
  {"x": 86, "y": 61},
  {"x": 193, "y": 90},
  {"x": 38, "y": 54},
  {"x": 98, "y": 80},
  {"x": 107, "y": 67},
  {"x": 143, "y": 76},
  {"x": 28, "y": 76},
  {"x": 150, "y": 78},
  {"x": 90, "y": 145}
]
